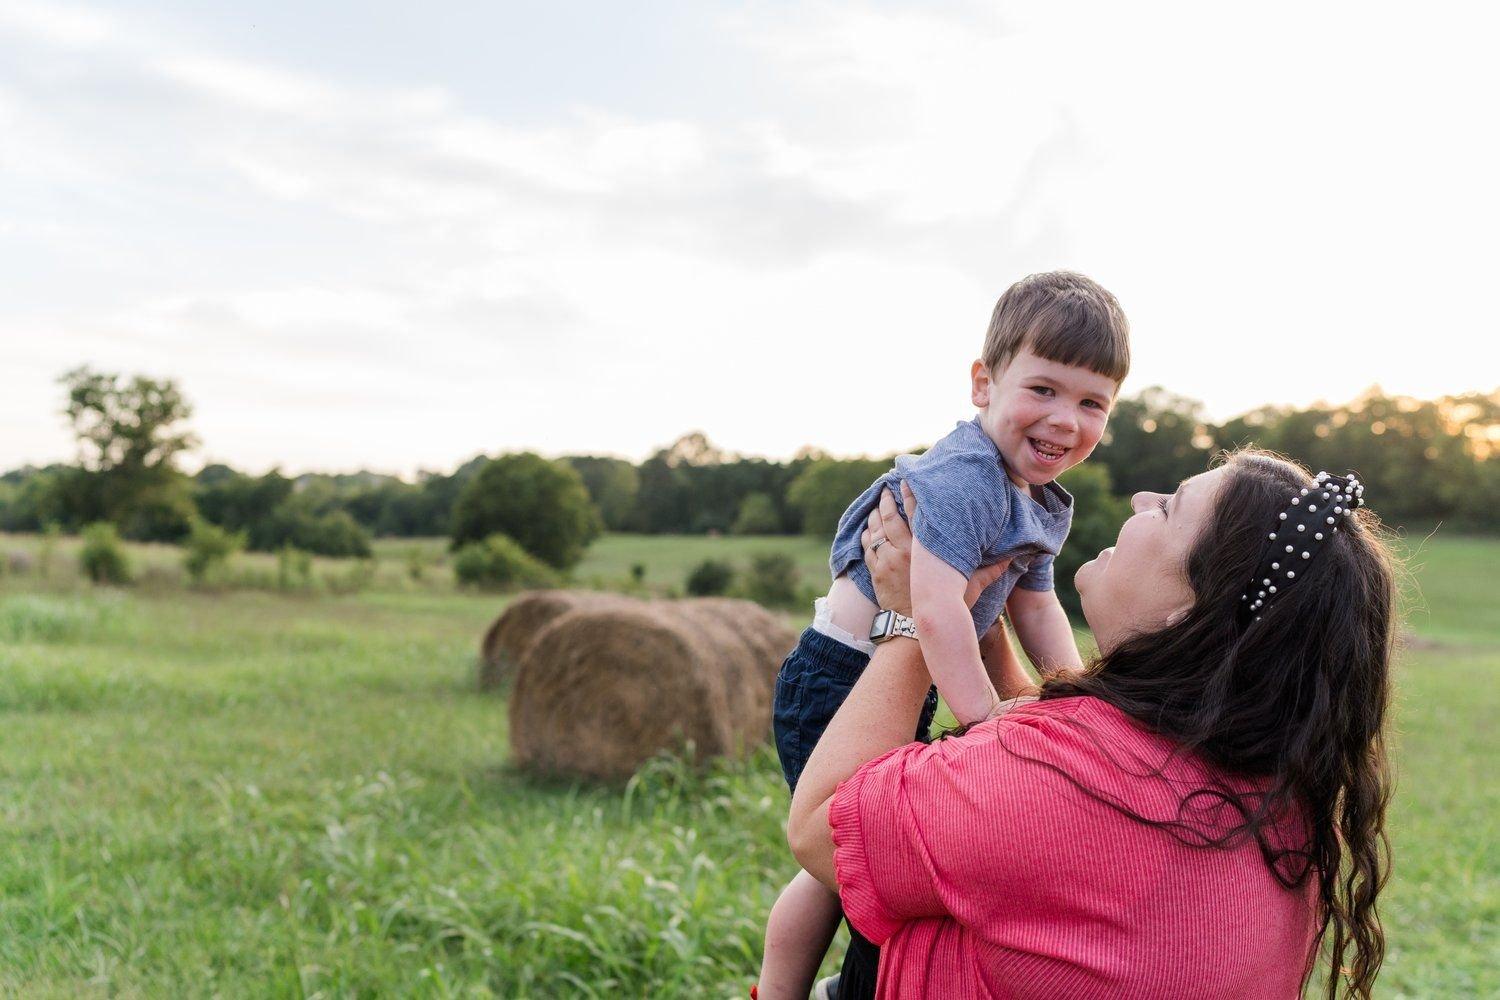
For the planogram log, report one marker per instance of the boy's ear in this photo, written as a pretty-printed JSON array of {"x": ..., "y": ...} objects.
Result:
[{"x": 979, "y": 377}]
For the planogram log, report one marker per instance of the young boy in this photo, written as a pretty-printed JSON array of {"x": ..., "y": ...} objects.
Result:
[{"x": 1055, "y": 354}]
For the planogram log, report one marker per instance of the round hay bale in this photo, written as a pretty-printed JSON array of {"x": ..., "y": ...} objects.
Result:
[
  {"x": 601, "y": 691},
  {"x": 521, "y": 621}
]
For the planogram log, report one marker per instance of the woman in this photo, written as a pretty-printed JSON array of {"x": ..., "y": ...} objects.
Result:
[{"x": 1191, "y": 816}]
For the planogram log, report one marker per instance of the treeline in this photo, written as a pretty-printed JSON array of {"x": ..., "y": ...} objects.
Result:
[{"x": 1425, "y": 462}]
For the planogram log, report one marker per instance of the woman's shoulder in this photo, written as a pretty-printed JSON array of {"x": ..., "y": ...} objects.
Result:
[{"x": 1083, "y": 733}]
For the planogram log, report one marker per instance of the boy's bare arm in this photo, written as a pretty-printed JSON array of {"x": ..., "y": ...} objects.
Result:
[
  {"x": 1042, "y": 626},
  {"x": 945, "y": 629},
  {"x": 1001, "y": 663}
]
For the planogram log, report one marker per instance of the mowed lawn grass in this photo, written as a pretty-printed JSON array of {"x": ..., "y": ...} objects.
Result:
[{"x": 259, "y": 794}]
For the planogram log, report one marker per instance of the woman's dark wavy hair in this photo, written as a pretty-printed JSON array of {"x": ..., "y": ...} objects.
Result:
[{"x": 1296, "y": 699}]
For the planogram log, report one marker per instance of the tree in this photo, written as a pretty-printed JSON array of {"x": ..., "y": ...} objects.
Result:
[
  {"x": 543, "y": 505},
  {"x": 129, "y": 436},
  {"x": 1097, "y": 517},
  {"x": 612, "y": 484},
  {"x": 757, "y": 516},
  {"x": 1154, "y": 441},
  {"x": 826, "y": 488},
  {"x": 126, "y": 425}
]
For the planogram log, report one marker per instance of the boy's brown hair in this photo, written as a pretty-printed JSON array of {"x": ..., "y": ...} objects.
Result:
[{"x": 1061, "y": 316}]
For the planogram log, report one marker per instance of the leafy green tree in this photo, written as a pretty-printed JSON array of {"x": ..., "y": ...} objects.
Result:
[
  {"x": 826, "y": 488},
  {"x": 129, "y": 434},
  {"x": 239, "y": 502},
  {"x": 757, "y": 516},
  {"x": 613, "y": 485},
  {"x": 1097, "y": 517},
  {"x": 1154, "y": 440},
  {"x": 542, "y": 505}
]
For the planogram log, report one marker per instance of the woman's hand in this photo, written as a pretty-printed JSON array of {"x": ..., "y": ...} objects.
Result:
[{"x": 887, "y": 544}]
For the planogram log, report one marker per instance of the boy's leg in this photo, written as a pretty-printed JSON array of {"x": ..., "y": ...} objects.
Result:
[{"x": 798, "y": 934}]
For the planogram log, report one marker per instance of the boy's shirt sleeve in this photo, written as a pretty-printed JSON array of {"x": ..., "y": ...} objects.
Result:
[
  {"x": 1039, "y": 575},
  {"x": 959, "y": 514}
]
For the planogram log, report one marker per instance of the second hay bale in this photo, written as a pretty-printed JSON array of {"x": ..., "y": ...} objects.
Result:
[{"x": 601, "y": 691}]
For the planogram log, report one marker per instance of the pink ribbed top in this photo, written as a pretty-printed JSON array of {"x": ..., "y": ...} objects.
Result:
[{"x": 981, "y": 874}]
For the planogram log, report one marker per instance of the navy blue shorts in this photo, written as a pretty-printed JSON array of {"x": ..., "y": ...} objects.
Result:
[{"x": 815, "y": 679}]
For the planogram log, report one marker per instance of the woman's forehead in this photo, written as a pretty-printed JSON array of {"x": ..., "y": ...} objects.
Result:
[{"x": 1198, "y": 492}]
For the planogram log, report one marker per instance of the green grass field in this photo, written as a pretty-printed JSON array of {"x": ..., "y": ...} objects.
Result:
[{"x": 248, "y": 792}]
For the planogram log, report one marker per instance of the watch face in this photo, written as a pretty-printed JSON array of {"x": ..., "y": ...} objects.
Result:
[{"x": 880, "y": 628}]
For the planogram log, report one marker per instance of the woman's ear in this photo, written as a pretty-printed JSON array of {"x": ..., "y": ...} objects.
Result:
[{"x": 979, "y": 377}]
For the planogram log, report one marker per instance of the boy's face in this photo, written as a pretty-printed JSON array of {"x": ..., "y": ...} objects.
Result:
[{"x": 1044, "y": 416}]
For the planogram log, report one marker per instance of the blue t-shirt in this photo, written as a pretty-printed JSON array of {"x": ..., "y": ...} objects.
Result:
[{"x": 969, "y": 514}]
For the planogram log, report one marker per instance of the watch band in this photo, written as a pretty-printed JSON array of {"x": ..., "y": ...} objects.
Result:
[{"x": 890, "y": 624}]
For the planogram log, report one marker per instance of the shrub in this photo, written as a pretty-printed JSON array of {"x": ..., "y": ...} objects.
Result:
[
  {"x": 335, "y": 533},
  {"x": 103, "y": 555},
  {"x": 293, "y": 568},
  {"x": 710, "y": 578},
  {"x": 209, "y": 548},
  {"x": 638, "y": 573},
  {"x": 772, "y": 580},
  {"x": 757, "y": 516},
  {"x": 498, "y": 562},
  {"x": 542, "y": 505}
]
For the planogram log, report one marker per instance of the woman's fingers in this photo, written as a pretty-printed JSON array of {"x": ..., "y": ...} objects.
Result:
[
  {"x": 891, "y": 523},
  {"x": 982, "y": 578}
]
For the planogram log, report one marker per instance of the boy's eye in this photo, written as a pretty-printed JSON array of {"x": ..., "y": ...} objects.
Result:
[
  {"x": 1162, "y": 503},
  {"x": 1094, "y": 403},
  {"x": 1042, "y": 390}
]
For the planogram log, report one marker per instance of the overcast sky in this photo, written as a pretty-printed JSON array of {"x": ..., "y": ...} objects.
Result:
[{"x": 392, "y": 235}]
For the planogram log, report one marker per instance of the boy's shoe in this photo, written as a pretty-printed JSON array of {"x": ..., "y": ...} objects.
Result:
[{"x": 827, "y": 989}]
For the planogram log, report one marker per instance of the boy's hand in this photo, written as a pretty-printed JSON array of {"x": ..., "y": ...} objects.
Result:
[{"x": 887, "y": 544}]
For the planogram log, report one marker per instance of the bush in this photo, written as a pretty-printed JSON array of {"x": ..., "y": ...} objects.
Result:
[
  {"x": 543, "y": 506},
  {"x": 772, "y": 580},
  {"x": 498, "y": 562},
  {"x": 757, "y": 516},
  {"x": 103, "y": 555},
  {"x": 209, "y": 548},
  {"x": 710, "y": 578},
  {"x": 335, "y": 533}
]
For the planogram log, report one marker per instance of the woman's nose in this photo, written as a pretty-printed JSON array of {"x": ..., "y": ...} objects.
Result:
[{"x": 1141, "y": 501}]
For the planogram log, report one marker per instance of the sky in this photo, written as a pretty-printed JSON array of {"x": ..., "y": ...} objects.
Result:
[{"x": 392, "y": 236}]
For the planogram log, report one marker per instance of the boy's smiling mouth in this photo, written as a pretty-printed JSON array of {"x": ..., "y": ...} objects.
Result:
[{"x": 1047, "y": 452}]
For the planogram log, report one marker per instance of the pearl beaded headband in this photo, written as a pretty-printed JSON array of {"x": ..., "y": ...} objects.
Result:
[{"x": 1314, "y": 516}]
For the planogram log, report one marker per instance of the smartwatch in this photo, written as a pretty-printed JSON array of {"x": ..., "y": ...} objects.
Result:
[{"x": 889, "y": 624}]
